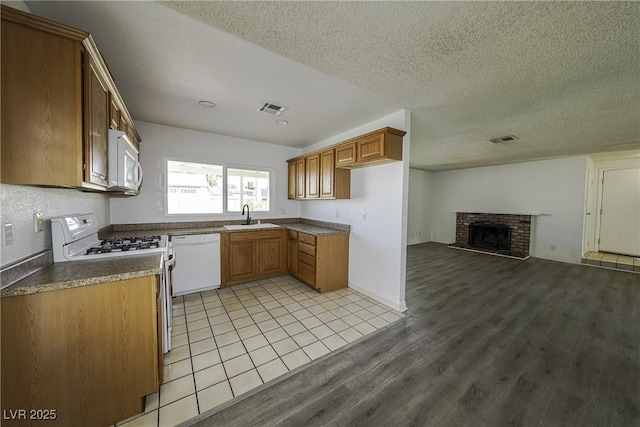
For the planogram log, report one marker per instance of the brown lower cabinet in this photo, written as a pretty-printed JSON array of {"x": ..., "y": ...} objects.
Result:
[
  {"x": 252, "y": 255},
  {"x": 321, "y": 262},
  {"x": 81, "y": 356}
]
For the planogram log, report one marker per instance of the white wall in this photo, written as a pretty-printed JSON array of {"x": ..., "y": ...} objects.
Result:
[
  {"x": 19, "y": 202},
  {"x": 419, "y": 211},
  {"x": 554, "y": 187},
  {"x": 160, "y": 142},
  {"x": 377, "y": 246},
  {"x": 20, "y": 5}
]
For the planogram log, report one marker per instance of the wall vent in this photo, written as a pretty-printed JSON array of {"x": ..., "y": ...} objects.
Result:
[
  {"x": 271, "y": 108},
  {"x": 503, "y": 139}
]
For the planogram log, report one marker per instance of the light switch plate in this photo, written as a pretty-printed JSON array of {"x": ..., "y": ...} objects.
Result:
[
  {"x": 8, "y": 234},
  {"x": 38, "y": 222}
]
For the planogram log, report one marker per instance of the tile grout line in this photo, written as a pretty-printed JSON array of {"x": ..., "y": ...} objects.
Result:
[{"x": 291, "y": 289}]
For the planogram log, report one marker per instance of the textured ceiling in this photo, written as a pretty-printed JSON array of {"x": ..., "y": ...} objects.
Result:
[
  {"x": 562, "y": 76},
  {"x": 164, "y": 62}
]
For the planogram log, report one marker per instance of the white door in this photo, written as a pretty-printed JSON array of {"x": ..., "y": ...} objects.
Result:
[{"x": 620, "y": 214}]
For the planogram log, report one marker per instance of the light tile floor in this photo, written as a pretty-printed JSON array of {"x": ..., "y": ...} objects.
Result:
[
  {"x": 618, "y": 262},
  {"x": 227, "y": 342}
]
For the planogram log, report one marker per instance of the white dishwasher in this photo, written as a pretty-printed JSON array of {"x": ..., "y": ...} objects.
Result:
[{"x": 197, "y": 266}]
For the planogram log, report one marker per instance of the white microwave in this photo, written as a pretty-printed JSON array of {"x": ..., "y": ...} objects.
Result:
[{"x": 125, "y": 172}]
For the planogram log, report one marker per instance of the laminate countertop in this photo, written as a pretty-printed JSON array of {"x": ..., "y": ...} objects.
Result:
[
  {"x": 73, "y": 274},
  {"x": 316, "y": 230}
]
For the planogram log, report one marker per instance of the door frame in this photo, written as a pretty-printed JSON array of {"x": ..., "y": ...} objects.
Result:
[{"x": 600, "y": 191}]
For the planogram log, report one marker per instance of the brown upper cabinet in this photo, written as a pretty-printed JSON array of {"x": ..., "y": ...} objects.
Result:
[
  {"x": 345, "y": 154},
  {"x": 374, "y": 148},
  {"x": 291, "y": 192},
  {"x": 96, "y": 123},
  {"x": 316, "y": 177},
  {"x": 114, "y": 114},
  {"x": 312, "y": 176},
  {"x": 57, "y": 105},
  {"x": 297, "y": 178},
  {"x": 326, "y": 173}
]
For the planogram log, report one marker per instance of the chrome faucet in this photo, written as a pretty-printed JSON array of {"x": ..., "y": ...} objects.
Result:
[{"x": 248, "y": 217}]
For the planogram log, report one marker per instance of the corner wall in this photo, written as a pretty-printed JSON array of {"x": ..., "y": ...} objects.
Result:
[
  {"x": 556, "y": 188},
  {"x": 419, "y": 210},
  {"x": 377, "y": 246}
]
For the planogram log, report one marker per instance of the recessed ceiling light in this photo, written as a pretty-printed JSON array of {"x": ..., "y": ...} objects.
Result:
[
  {"x": 282, "y": 122},
  {"x": 207, "y": 104}
]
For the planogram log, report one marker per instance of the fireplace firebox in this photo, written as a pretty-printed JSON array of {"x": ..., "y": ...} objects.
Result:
[{"x": 489, "y": 236}]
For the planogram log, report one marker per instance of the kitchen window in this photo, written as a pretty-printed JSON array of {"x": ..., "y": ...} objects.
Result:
[{"x": 198, "y": 188}]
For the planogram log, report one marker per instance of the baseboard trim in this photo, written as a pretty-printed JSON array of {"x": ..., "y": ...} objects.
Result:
[{"x": 402, "y": 306}]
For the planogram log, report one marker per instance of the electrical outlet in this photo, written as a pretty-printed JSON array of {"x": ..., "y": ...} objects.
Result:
[
  {"x": 283, "y": 211},
  {"x": 364, "y": 215},
  {"x": 337, "y": 213},
  {"x": 38, "y": 222},
  {"x": 8, "y": 234},
  {"x": 553, "y": 247}
]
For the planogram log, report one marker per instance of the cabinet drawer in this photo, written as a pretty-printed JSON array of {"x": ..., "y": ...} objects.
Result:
[
  {"x": 293, "y": 234},
  {"x": 306, "y": 258},
  {"x": 307, "y": 273},
  {"x": 254, "y": 235},
  {"x": 307, "y": 238},
  {"x": 308, "y": 249}
]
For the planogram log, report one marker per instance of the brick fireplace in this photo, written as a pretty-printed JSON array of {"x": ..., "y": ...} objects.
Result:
[{"x": 512, "y": 233}]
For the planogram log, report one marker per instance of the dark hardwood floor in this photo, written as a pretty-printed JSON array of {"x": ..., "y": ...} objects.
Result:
[{"x": 487, "y": 341}]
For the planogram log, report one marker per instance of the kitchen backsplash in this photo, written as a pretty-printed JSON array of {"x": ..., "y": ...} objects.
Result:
[{"x": 19, "y": 204}]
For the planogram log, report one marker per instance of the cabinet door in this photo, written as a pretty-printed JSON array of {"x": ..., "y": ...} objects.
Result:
[
  {"x": 312, "y": 176},
  {"x": 307, "y": 273},
  {"x": 114, "y": 114},
  {"x": 271, "y": 256},
  {"x": 242, "y": 262},
  {"x": 41, "y": 106},
  {"x": 124, "y": 127},
  {"x": 292, "y": 252},
  {"x": 371, "y": 148},
  {"x": 96, "y": 124},
  {"x": 300, "y": 178},
  {"x": 291, "y": 194},
  {"x": 327, "y": 172},
  {"x": 346, "y": 154},
  {"x": 91, "y": 352}
]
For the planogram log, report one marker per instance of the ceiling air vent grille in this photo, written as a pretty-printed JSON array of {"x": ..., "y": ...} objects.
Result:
[
  {"x": 503, "y": 139},
  {"x": 271, "y": 108}
]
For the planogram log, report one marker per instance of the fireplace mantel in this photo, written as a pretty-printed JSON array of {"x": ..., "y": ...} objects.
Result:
[{"x": 499, "y": 213}]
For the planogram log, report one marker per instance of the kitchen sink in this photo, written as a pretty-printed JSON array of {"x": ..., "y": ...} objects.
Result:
[{"x": 251, "y": 226}]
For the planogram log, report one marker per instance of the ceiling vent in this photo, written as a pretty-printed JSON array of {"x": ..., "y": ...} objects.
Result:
[
  {"x": 503, "y": 139},
  {"x": 271, "y": 108}
]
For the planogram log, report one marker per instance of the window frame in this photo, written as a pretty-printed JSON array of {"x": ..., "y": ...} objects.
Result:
[{"x": 225, "y": 191}]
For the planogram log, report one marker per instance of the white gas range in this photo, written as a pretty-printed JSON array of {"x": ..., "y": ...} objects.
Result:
[{"x": 75, "y": 237}]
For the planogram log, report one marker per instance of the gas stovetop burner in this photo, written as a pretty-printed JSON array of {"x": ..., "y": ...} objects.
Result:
[{"x": 124, "y": 244}]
